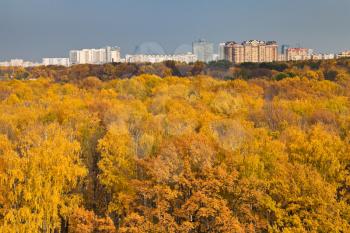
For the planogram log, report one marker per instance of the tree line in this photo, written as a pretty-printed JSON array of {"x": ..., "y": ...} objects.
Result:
[{"x": 223, "y": 70}]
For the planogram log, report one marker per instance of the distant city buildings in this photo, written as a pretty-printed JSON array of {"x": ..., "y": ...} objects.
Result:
[
  {"x": 281, "y": 57},
  {"x": 56, "y": 61},
  {"x": 255, "y": 51},
  {"x": 298, "y": 54},
  {"x": 95, "y": 56},
  {"x": 284, "y": 49},
  {"x": 328, "y": 56},
  {"x": 251, "y": 51},
  {"x": 221, "y": 50},
  {"x": 204, "y": 50},
  {"x": 344, "y": 54},
  {"x": 19, "y": 62},
  {"x": 322, "y": 56},
  {"x": 143, "y": 58},
  {"x": 216, "y": 57}
]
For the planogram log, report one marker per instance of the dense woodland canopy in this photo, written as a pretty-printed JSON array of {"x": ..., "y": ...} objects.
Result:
[{"x": 176, "y": 148}]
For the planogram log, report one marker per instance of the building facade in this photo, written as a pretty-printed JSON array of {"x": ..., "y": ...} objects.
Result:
[
  {"x": 298, "y": 54},
  {"x": 143, "y": 58},
  {"x": 344, "y": 54},
  {"x": 19, "y": 62},
  {"x": 56, "y": 61},
  {"x": 322, "y": 56},
  {"x": 204, "y": 50},
  {"x": 251, "y": 51},
  {"x": 95, "y": 56},
  {"x": 221, "y": 51},
  {"x": 234, "y": 52},
  {"x": 284, "y": 49},
  {"x": 216, "y": 57}
]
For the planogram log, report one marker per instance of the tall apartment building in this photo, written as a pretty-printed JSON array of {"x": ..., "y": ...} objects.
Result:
[
  {"x": 298, "y": 54},
  {"x": 204, "y": 50},
  {"x": 251, "y": 51},
  {"x": 271, "y": 51},
  {"x": 95, "y": 56},
  {"x": 234, "y": 52},
  {"x": 221, "y": 51}
]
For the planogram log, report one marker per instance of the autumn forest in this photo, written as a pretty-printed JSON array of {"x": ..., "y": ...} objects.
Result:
[{"x": 178, "y": 148}]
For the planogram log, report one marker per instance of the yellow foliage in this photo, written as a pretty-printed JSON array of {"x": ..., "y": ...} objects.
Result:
[{"x": 175, "y": 154}]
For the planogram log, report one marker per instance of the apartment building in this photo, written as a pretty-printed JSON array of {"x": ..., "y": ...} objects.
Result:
[
  {"x": 143, "y": 58},
  {"x": 56, "y": 61},
  {"x": 251, "y": 51},
  {"x": 95, "y": 56},
  {"x": 298, "y": 54},
  {"x": 204, "y": 50}
]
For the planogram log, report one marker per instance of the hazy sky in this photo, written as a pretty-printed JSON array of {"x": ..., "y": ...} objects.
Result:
[{"x": 32, "y": 29}]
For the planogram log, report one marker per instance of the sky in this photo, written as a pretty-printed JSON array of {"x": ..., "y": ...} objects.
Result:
[{"x": 32, "y": 29}]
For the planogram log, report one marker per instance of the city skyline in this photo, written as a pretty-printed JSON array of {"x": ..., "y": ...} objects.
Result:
[
  {"x": 36, "y": 28},
  {"x": 255, "y": 51},
  {"x": 202, "y": 49}
]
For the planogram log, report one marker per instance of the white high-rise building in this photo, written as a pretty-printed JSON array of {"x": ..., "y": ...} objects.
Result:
[
  {"x": 112, "y": 54},
  {"x": 95, "y": 56},
  {"x": 204, "y": 50},
  {"x": 115, "y": 55},
  {"x": 222, "y": 51},
  {"x": 73, "y": 57}
]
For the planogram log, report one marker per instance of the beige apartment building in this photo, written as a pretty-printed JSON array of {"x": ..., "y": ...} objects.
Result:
[
  {"x": 234, "y": 52},
  {"x": 251, "y": 51}
]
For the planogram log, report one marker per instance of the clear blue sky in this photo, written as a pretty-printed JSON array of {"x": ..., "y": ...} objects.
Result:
[{"x": 32, "y": 29}]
